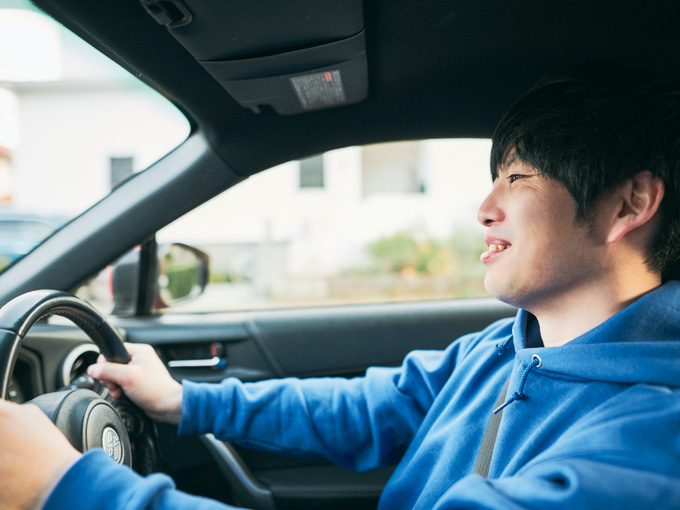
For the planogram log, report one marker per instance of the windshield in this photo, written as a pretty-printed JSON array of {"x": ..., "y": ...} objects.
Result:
[{"x": 73, "y": 125}]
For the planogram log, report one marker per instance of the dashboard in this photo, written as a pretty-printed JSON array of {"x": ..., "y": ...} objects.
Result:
[{"x": 17, "y": 392}]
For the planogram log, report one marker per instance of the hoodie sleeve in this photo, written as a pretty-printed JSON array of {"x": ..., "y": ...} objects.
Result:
[
  {"x": 96, "y": 482},
  {"x": 360, "y": 423}
]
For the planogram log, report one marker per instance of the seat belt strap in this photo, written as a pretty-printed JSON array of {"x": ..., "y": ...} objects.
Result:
[{"x": 489, "y": 439}]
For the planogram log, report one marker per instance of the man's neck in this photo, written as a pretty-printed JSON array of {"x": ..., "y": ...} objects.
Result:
[{"x": 564, "y": 319}]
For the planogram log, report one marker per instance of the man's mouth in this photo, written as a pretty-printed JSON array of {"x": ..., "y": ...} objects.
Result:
[
  {"x": 493, "y": 251},
  {"x": 494, "y": 247}
]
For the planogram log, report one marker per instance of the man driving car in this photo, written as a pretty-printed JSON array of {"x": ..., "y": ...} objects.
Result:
[{"x": 583, "y": 236}]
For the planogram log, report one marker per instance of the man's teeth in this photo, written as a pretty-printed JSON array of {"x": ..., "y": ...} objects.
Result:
[{"x": 494, "y": 247}]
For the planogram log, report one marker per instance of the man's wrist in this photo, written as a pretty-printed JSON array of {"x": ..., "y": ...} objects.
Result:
[
  {"x": 175, "y": 414},
  {"x": 55, "y": 477},
  {"x": 188, "y": 416},
  {"x": 170, "y": 408}
]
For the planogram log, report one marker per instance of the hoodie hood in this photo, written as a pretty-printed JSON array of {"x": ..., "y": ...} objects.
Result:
[{"x": 640, "y": 344}]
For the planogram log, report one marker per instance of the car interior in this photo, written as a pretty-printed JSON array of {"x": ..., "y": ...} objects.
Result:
[{"x": 261, "y": 84}]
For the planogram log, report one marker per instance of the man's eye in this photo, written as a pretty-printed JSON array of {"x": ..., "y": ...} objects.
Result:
[{"x": 512, "y": 178}]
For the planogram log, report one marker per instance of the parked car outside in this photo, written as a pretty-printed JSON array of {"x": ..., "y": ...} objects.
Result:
[{"x": 20, "y": 232}]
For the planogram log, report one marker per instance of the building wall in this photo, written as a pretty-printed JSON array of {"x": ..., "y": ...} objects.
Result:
[{"x": 68, "y": 132}]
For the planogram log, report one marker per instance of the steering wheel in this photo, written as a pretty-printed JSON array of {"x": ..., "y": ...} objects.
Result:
[{"x": 86, "y": 419}]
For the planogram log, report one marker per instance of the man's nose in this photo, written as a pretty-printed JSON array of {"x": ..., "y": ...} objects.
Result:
[{"x": 490, "y": 210}]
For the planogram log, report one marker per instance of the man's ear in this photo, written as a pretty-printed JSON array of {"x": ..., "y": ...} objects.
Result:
[{"x": 637, "y": 202}]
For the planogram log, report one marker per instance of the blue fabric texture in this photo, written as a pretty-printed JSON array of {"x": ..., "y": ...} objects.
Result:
[{"x": 592, "y": 424}]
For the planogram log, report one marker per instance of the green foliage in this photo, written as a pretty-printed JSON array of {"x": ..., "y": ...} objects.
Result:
[
  {"x": 409, "y": 265},
  {"x": 181, "y": 280},
  {"x": 393, "y": 254},
  {"x": 406, "y": 252},
  {"x": 225, "y": 277}
]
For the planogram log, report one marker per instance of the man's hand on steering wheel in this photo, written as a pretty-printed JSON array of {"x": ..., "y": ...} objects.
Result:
[
  {"x": 144, "y": 380},
  {"x": 34, "y": 455}
]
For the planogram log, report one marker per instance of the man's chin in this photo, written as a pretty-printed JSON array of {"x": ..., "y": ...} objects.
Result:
[{"x": 501, "y": 292}]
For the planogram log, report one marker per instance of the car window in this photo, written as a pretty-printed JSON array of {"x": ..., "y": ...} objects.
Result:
[
  {"x": 73, "y": 125},
  {"x": 378, "y": 223}
]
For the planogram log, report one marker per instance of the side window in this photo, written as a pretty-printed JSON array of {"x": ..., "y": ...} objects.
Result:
[{"x": 379, "y": 223}]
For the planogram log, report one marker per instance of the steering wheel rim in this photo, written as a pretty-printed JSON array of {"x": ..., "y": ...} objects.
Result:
[
  {"x": 20, "y": 314},
  {"x": 16, "y": 319}
]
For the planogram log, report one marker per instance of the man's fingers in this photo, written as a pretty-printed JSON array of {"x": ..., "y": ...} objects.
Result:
[
  {"x": 115, "y": 391},
  {"x": 134, "y": 349},
  {"x": 109, "y": 372},
  {"x": 116, "y": 376}
]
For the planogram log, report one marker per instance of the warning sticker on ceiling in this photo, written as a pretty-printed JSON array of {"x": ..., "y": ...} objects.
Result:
[{"x": 319, "y": 90}]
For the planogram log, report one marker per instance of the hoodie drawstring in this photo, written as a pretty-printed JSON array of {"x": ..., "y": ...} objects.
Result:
[
  {"x": 501, "y": 347},
  {"x": 519, "y": 394}
]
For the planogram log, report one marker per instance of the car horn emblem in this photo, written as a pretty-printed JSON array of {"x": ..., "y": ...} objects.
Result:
[{"x": 112, "y": 445}]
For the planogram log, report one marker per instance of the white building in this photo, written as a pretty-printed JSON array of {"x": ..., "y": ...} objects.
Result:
[{"x": 74, "y": 122}]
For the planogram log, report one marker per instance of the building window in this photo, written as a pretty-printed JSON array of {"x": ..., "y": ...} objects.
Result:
[
  {"x": 393, "y": 168},
  {"x": 311, "y": 172},
  {"x": 121, "y": 169}
]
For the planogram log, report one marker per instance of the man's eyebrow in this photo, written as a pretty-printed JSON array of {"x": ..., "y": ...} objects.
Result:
[{"x": 509, "y": 160}]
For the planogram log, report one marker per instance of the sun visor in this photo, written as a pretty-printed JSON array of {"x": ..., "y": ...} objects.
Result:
[{"x": 295, "y": 56}]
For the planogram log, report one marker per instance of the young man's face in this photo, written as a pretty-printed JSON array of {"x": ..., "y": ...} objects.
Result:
[{"x": 537, "y": 253}]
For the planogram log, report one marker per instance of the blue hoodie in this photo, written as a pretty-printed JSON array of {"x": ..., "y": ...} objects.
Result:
[{"x": 594, "y": 423}]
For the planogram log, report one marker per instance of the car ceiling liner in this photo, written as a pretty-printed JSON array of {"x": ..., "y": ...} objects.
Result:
[{"x": 295, "y": 56}]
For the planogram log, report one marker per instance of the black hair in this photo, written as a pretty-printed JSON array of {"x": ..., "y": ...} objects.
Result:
[
  {"x": 592, "y": 128},
  {"x": 663, "y": 142}
]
